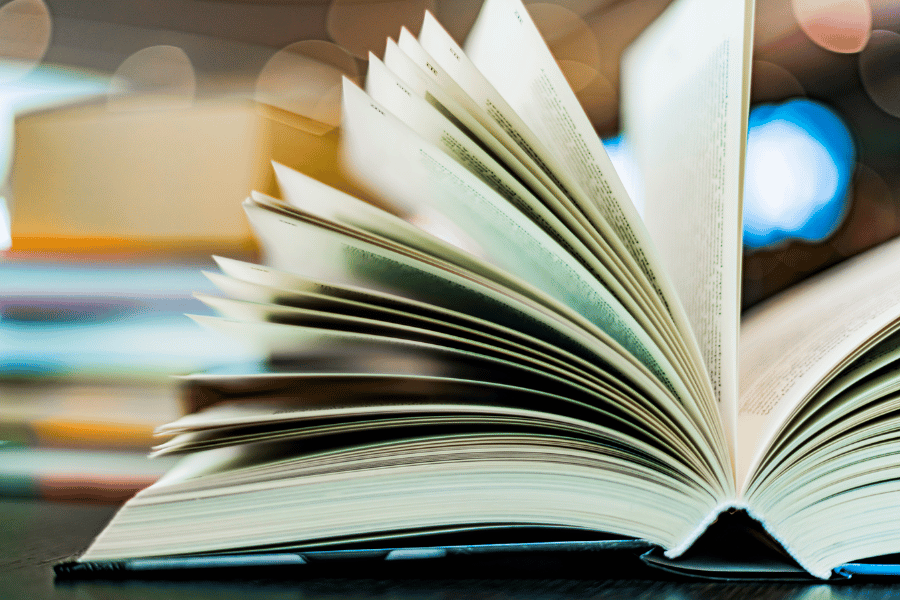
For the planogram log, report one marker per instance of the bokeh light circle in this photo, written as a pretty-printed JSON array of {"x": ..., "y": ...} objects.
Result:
[
  {"x": 837, "y": 25},
  {"x": 567, "y": 34},
  {"x": 879, "y": 69},
  {"x": 773, "y": 83},
  {"x": 800, "y": 158},
  {"x": 25, "y": 27},
  {"x": 571, "y": 41},
  {"x": 599, "y": 100},
  {"x": 155, "y": 77},
  {"x": 578, "y": 74},
  {"x": 305, "y": 79},
  {"x": 874, "y": 216}
]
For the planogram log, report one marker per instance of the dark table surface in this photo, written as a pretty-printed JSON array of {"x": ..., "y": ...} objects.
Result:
[{"x": 35, "y": 534}]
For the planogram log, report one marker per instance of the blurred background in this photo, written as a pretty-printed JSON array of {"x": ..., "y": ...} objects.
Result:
[{"x": 130, "y": 131}]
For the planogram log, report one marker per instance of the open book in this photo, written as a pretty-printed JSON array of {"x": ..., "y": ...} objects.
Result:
[{"x": 495, "y": 339}]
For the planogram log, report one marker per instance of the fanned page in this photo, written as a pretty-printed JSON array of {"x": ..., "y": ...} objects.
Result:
[
  {"x": 819, "y": 413},
  {"x": 794, "y": 344},
  {"x": 418, "y": 171},
  {"x": 493, "y": 325},
  {"x": 444, "y": 123},
  {"x": 506, "y": 49},
  {"x": 685, "y": 86}
]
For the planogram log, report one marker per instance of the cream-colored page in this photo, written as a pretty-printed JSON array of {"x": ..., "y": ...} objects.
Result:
[
  {"x": 684, "y": 84},
  {"x": 389, "y": 325},
  {"x": 239, "y": 310},
  {"x": 508, "y": 50},
  {"x": 417, "y": 172},
  {"x": 428, "y": 85},
  {"x": 506, "y": 47},
  {"x": 433, "y": 127},
  {"x": 272, "y": 286},
  {"x": 554, "y": 212},
  {"x": 292, "y": 340},
  {"x": 793, "y": 343},
  {"x": 289, "y": 242},
  {"x": 840, "y": 396},
  {"x": 589, "y": 373},
  {"x": 317, "y": 200},
  {"x": 616, "y": 268}
]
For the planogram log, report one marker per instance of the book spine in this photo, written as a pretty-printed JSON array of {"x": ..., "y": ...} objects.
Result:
[
  {"x": 75, "y": 475},
  {"x": 701, "y": 528},
  {"x": 681, "y": 548},
  {"x": 821, "y": 574},
  {"x": 55, "y": 432}
]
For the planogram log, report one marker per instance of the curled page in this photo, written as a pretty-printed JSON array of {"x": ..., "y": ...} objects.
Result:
[
  {"x": 419, "y": 172},
  {"x": 685, "y": 98},
  {"x": 507, "y": 49}
]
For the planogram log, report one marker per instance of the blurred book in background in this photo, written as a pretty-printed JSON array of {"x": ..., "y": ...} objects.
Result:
[
  {"x": 117, "y": 204},
  {"x": 75, "y": 476},
  {"x": 87, "y": 350},
  {"x": 93, "y": 416},
  {"x": 146, "y": 181}
]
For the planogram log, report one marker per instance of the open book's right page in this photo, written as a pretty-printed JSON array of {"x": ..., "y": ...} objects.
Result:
[
  {"x": 793, "y": 343},
  {"x": 685, "y": 98}
]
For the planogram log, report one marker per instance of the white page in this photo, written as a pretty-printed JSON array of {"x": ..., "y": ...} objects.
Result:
[
  {"x": 426, "y": 83},
  {"x": 505, "y": 130},
  {"x": 685, "y": 91},
  {"x": 266, "y": 285},
  {"x": 427, "y": 79},
  {"x": 793, "y": 343},
  {"x": 505, "y": 52},
  {"x": 506, "y": 47},
  {"x": 294, "y": 415},
  {"x": 839, "y": 397},
  {"x": 433, "y": 127},
  {"x": 615, "y": 268},
  {"x": 289, "y": 241},
  {"x": 300, "y": 341},
  {"x": 313, "y": 198},
  {"x": 422, "y": 365},
  {"x": 551, "y": 209},
  {"x": 415, "y": 171},
  {"x": 385, "y": 88},
  {"x": 252, "y": 311},
  {"x": 323, "y": 307}
]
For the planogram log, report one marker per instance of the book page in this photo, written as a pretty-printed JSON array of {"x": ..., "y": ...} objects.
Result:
[
  {"x": 355, "y": 261},
  {"x": 304, "y": 317},
  {"x": 389, "y": 487},
  {"x": 292, "y": 290},
  {"x": 476, "y": 147},
  {"x": 794, "y": 344},
  {"x": 858, "y": 383},
  {"x": 267, "y": 286},
  {"x": 360, "y": 259},
  {"x": 685, "y": 99},
  {"x": 416, "y": 172},
  {"x": 853, "y": 403},
  {"x": 435, "y": 128},
  {"x": 507, "y": 49}
]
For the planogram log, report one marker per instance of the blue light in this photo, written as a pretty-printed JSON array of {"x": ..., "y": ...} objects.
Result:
[
  {"x": 619, "y": 152},
  {"x": 800, "y": 159}
]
